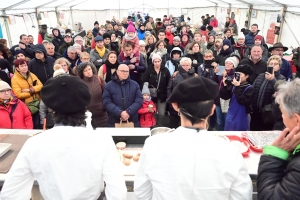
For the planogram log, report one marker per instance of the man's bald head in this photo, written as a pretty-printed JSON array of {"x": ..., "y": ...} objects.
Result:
[{"x": 123, "y": 72}]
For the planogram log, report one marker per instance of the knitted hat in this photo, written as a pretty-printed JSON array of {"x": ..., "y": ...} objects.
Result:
[
  {"x": 58, "y": 70},
  {"x": 106, "y": 35},
  {"x": 18, "y": 51},
  {"x": 96, "y": 22},
  {"x": 68, "y": 31},
  {"x": 232, "y": 60},
  {"x": 98, "y": 38},
  {"x": 210, "y": 28},
  {"x": 245, "y": 69},
  {"x": 156, "y": 56},
  {"x": 219, "y": 40},
  {"x": 227, "y": 42},
  {"x": 241, "y": 36},
  {"x": 75, "y": 93},
  {"x": 4, "y": 85},
  {"x": 203, "y": 28},
  {"x": 259, "y": 37},
  {"x": 141, "y": 42},
  {"x": 146, "y": 89},
  {"x": 173, "y": 30},
  {"x": 130, "y": 27},
  {"x": 147, "y": 33},
  {"x": 177, "y": 38}
]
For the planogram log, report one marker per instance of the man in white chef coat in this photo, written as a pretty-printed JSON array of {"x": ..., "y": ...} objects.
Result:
[
  {"x": 191, "y": 163},
  {"x": 68, "y": 161}
]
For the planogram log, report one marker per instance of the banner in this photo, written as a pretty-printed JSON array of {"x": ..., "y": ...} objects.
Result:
[
  {"x": 12, "y": 19},
  {"x": 33, "y": 17},
  {"x": 26, "y": 18}
]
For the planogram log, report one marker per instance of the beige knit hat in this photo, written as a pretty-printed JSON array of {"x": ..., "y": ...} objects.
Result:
[
  {"x": 156, "y": 56},
  {"x": 4, "y": 85}
]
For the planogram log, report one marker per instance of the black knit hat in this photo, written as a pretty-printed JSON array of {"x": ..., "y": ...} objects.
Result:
[
  {"x": 245, "y": 69},
  {"x": 210, "y": 28},
  {"x": 66, "y": 94},
  {"x": 106, "y": 35},
  {"x": 194, "y": 89}
]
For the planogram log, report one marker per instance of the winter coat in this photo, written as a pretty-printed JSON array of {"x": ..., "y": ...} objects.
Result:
[
  {"x": 173, "y": 64},
  {"x": 114, "y": 46},
  {"x": 264, "y": 90},
  {"x": 57, "y": 40},
  {"x": 96, "y": 107},
  {"x": 147, "y": 118},
  {"x": 278, "y": 179},
  {"x": 55, "y": 56},
  {"x": 152, "y": 77},
  {"x": 249, "y": 39},
  {"x": 296, "y": 59},
  {"x": 95, "y": 31},
  {"x": 21, "y": 116},
  {"x": 277, "y": 115},
  {"x": 95, "y": 56},
  {"x": 258, "y": 68},
  {"x": 286, "y": 69},
  {"x": 197, "y": 59},
  {"x": 265, "y": 54},
  {"x": 121, "y": 96},
  {"x": 214, "y": 23},
  {"x": 19, "y": 82},
  {"x": 141, "y": 35},
  {"x": 135, "y": 41},
  {"x": 64, "y": 47},
  {"x": 241, "y": 49},
  {"x": 28, "y": 50},
  {"x": 43, "y": 70},
  {"x": 170, "y": 37},
  {"x": 241, "y": 99}
]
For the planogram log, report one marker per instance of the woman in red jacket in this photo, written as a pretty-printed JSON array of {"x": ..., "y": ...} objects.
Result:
[
  {"x": 148, "y": 109},
  {"x": 14, "y": 113}
]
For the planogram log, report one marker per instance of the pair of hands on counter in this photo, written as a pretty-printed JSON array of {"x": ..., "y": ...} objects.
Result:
[{"x": 288, "y": 142}]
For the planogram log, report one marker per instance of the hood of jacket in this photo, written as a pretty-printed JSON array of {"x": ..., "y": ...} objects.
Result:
[
  {"x": 59, "y": 34},
  {"x": 176, "y": 49},
  {"x": 40, "y": 47}
]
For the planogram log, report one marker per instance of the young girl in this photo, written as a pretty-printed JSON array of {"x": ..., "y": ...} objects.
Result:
[
  {"x": 147, "y": 110},
  {"x": 131, "y": 36},
  {"x": 143, "y": 51}
]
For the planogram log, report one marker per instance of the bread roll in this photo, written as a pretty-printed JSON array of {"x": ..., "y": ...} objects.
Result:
[
  {"x": 127, "y": 155},
  {"x": 136, "y": 157},
  {"x": 126, "y": 161}
]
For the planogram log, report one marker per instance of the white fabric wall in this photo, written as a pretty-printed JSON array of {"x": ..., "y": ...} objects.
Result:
[
  {"x": 291, "y": 24},
  {"x": 196, "y": 13}
]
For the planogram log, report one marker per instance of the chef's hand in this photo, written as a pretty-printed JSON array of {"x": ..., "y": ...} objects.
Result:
[
  {"x": 269, "y": 76},
  {"x": 289, "y": 142},
  {"x": 124, "y": 115},
  {"x": 236, "y": 83}
]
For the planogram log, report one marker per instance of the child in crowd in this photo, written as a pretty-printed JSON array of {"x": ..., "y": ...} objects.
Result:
[
  {"x": 131, "y": 36},
  {"x": 173, "y": 64},
  {"x": 143, "y": 51},
  {"x": 148, "y": 109}
]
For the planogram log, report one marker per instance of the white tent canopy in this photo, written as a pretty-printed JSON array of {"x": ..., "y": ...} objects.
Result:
[{"x": 20, "y": 16}]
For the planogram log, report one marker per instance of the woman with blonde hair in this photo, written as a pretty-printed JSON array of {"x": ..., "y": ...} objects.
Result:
[
  {"x": 149, "y": 28},
  {"x": 65, "y": 64},
  {"x": 88, "y": 39}
]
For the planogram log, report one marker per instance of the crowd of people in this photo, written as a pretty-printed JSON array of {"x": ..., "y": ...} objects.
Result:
[{"x": 117, "y": 60}]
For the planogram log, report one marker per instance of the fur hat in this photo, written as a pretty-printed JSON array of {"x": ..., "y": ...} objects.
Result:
[
  {"x": 185, "y": 90},
  {"x": 156, "y": 56},
  {"x": 96, "y": 22},
  {"x": 130, "y": 27},
  {"x": 245, "y": 69},
  {"x": 58, "y": 70},
  {"x": 232, "y": 60},
  {"x": 259, "y": 37},
  {"x": 4, "y": 85},
  {"x": 75, "y": 93},
  {"x": 203, "y": 28},
  {"x": 145, "y": 88},
  {"x": 106, "y": 35}
]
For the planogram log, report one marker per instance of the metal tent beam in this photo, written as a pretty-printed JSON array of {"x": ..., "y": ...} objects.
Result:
[
  {"x": 212, "y": 2},
  {"x": 245, "y": 2},
  {"x": 277, "y": 3},
  {"x": 64, "y": 4},
  {"x": 46, "y": 3},
  {"x": 78, "y": 3},
  {"x": 15, "y": 5}
]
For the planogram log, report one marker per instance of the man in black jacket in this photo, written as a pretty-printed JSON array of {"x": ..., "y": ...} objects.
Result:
[
  {"x": 255, "y": 61},
  {"x": 50, "y": 51},
  {"x": 41, "y": 65},
  {"x": 58, "y": 39},
  {"x": 24, "y": 45},
  {"x": 67, "y": 43},
  {"x": 116, "y": 29}
]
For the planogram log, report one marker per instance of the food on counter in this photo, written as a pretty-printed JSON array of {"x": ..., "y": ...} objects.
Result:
[
  {"x": 121, "y": 145},
  {"x": 126, "y": 161},
  {"x": 127, "y": 155},
  {"x": 136, "y": 157}
]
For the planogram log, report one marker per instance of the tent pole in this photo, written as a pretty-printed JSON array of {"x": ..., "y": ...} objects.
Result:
[
  {"x": 283, "y": 11},
  {"x": 7, "y": 29},
  {"x": 72, "y": 19},
  {"x": 119, "y": 11},
  {"x": 57, "y": 16},
  {"x": 249, "y": 16}
]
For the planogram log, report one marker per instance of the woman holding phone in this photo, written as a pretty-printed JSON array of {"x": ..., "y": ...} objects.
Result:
[{"x": 261, "y": 117}]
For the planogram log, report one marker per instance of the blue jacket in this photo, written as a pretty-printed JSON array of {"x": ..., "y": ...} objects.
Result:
[
  {"x": 141, "y": 35},
  {"x": 249, "y": 39},
  {"x": 119, "y": 96},
  {"x": 286, "y": 69}
]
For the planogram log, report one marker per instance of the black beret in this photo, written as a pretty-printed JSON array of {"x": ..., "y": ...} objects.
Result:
[
  {"x": 66, "y": 94},
  {"x": 194, "y": 89},
  {"x": 106, "y": 35},
  {"x": 245, "y": 69}
]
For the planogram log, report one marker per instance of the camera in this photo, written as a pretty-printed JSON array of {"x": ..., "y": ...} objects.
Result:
[
  {"x": 237, "y": 76},
  {"x": 228, "y": 81}
]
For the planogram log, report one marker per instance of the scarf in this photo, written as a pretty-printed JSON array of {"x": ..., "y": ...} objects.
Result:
[
  {"x": 129, "y": 38},
  {"x": 110, "y": 66},
  {"x": 161, "y": 51},
  {"x": 210, "y": 44},
  {"x": 100, "y": 51},
  {"x": 183, "y": 45},
  {"x": 186, "y": 74}
]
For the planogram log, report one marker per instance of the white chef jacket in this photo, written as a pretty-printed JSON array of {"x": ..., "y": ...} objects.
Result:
[
  {"x": 186, "y": 164},
  {"x": 68, "y": 163}
]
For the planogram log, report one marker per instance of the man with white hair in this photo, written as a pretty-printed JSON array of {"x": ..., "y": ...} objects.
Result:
[
  {"x": 72, "y": 56},
  {"x": 79, "y": 40},
  {"x": 67, "y": 43},
  {"x": 50, "y": 48}
]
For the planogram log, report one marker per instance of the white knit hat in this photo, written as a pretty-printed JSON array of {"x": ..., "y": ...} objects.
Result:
[
  {"x": 145, "y": 88},
  {"x": 232, "y": 60},
  {"x": 4, "y": 85},
  {"x": 141, "y": 42},
  {"x": 156, "y": 56},
  {"x": 241, "y": 36}
]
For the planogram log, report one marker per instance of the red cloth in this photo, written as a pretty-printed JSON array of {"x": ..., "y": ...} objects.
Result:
[
  {"x": 205, "y": 33},
  {"x": 147, "y": 119},
  {"x": 93, "y": 44},
  {"x": 21, "y": 116},
  {"x": 170, "y": 37},
  {"x": 214, "y": 23},
  {"x": 40, "y": 39}
]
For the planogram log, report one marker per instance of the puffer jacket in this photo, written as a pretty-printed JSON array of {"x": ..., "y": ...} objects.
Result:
[
  {"x": 152, "y": 77},
  {"x": 21, "y": 116},
  {"x": 263, "y": 90},
  {"x": 43, "y": 70},
  {"x": 19, "y": 82},
  {"x": 279, "y": 179},
  {"x": 64, "y": 47},
  {"x": 119, "y": 96},
  {"x": 249, "y": 38},
  {"x": 258, "y": 68},
  {"x": 57, "y": 40},
  {"x": 147, "y": 118}
]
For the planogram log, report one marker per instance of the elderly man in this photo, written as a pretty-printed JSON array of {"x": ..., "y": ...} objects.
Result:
[
  {"x": 50, "y": 48},
  {"x": 256, "y": 62},
  {"x": 41, "y": 65},
  {"x": 76, "y": 165},
  {"x": 24, "y": 46},
  {"x": 249, "y": 39},
  {"x": 67, "y": 43},
  {"x": 286, "y": 68},
  {"x": 99, "y": 54},
  {"x": 122, "y": 98},
  {"x": 72, "y": 56},
  {"x": 79, "y": 40},
  {"x": 136, "y": 69}
]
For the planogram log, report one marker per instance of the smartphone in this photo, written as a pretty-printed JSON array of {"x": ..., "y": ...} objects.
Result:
[
  {"x": 237, "y": 76},
  {"x": 34, "y": 83},
  {"x": 270, "y": 69},
  {"x": 207, "y": 64}
]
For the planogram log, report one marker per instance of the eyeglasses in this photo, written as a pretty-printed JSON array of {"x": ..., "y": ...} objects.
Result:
[
  {"x": 208, "y": 56},
  {"x": 5, "y": 91},
  {"x": 279, "y": 50},
  {"x": 123, "y": 71}
]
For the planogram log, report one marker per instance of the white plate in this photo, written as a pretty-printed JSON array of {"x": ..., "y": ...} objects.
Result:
[{"x": 4, "y": 147}]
